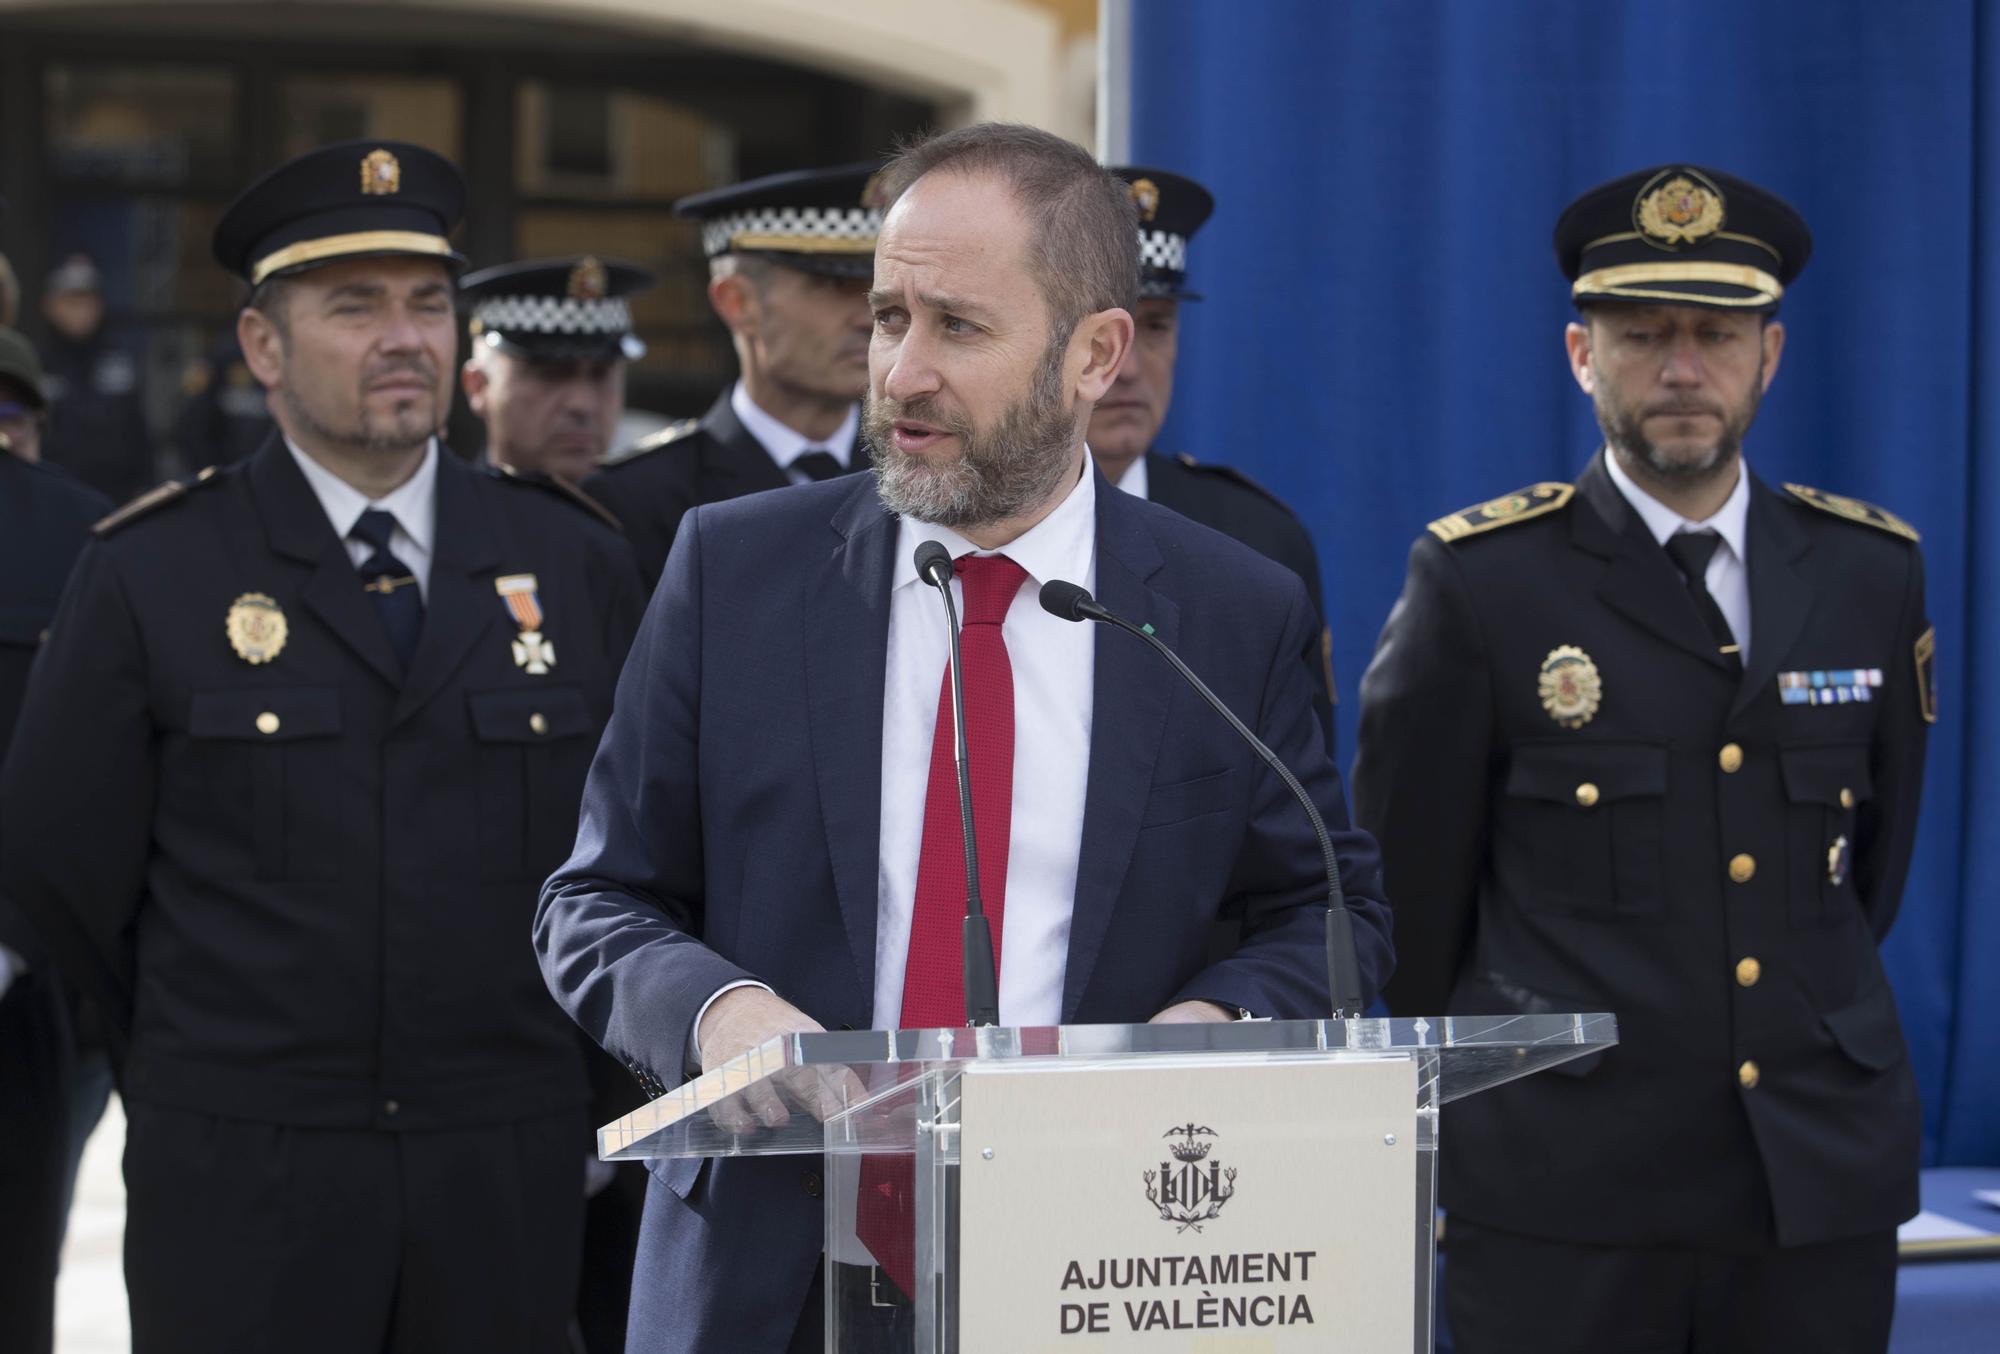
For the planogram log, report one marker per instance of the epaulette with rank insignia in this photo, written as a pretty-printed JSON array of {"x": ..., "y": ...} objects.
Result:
[
  {"x": 1233, "y": 475},
  {"x": 1504, "y": 511},
  {"x": 561, "y": 487},
  {"x": 1854, "y": 510},
  {"x": 666, "y": 436},
  {"x": 152, "y": 500}
]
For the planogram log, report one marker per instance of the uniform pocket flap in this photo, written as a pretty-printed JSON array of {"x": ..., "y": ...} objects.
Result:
[
  {"x": 266, "y": 714},
  {"x": 528, "y": 714},
  {"x": 1834, "y": 774},
  {"x": 1868, "y": 1030},
  {"x": 1587, "y": 773}
]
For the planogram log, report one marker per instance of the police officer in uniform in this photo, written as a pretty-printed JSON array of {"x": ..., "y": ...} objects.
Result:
[
  {"x": 97, "y": 421},
  {"x": 1652, "y": 743},
  {"x": 789, "y": 258},
  {"x": 306, "y": 735},
  {"x": 45, "y": 518},
  {"x": 1171, "y": 208},
  {"x": 225, "y": 419},
  {"x": 550, "y": 340}
]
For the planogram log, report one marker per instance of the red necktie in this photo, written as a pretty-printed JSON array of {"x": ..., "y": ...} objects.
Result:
[{"x": 934, "y": 977}]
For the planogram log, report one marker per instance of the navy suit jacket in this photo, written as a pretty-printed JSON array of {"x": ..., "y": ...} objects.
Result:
[{"x": 731, "y": 822}]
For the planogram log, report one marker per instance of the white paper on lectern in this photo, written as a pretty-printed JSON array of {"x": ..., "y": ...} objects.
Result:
[{"x": 1258, "y": 1206}]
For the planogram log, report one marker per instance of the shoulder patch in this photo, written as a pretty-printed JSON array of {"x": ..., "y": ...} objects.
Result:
[
  {"x": 152, "y": 500},
  {"x": 1233, "y": 475},
  {"x": 1854, "y": 510},
  {"x": 1504, "y": 511},
  {"x": 666, "y": 436},
  {"x": 561, "y": 487}
]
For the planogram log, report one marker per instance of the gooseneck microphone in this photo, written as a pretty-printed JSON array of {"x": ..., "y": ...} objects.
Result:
[
  {"x": 982, "y": 995},
  {"x": 1343, "y": 973}
]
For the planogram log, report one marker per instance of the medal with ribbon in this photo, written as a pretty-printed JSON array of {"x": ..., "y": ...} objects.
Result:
[{"x": 532, "y": 650}]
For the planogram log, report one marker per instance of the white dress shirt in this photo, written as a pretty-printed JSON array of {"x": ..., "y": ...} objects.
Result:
[
  {"x": 413, "y": 504},
  {"x": 1135, "y": 480},
  {"x": 1729, "y": 568},
  {"x": 1054, "y": 662},
  {"x": 785, "y": 445}
]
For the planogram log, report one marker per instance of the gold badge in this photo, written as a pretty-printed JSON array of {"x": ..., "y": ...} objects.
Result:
[
  {"x": 1836, "y": 862},
  {"x": 1146, "y": 197},
  {"x": 588, "y": 281},
  {"x": 380, "y": 174},
  {"x": 1570, "y": 686},
  {"x": 1927, "y": 701},
  {"x": 1677, "y": 207},
  {"x": 256, "y": 628},
  {"x": 532, "y": 651}
]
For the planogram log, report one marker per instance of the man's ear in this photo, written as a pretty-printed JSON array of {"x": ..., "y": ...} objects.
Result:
[
  {"x": 1582, "y": 360},
  {"x": 474, "y": 379},
  {"x": 1773, "y": 339},
  {"x": 1106, "y": 339},
  {"x": 263, "y": 346},
  {"x": 735, "y": 301}
]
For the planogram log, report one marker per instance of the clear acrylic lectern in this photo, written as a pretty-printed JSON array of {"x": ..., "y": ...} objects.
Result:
[{"x": 1261, "y": 1185}]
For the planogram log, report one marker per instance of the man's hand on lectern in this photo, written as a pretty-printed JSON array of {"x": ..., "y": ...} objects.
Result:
[
  {"x": 1193, "y": 1013},
  {"x": 740, "y": 1020}
]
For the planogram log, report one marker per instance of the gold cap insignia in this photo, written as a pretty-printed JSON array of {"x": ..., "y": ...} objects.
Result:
[
  {"x": 256, "y": 628},
  {"x": 588, "y": 281},
  {"x": 1146, "y": 197},
  {"x": 1677, "y": 207},
  {"x": 1571, "y": 687},
  {"x": 381, "y": 175}
]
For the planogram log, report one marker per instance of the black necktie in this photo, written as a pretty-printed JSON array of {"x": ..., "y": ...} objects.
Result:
[
  {"x": 1691, "y": 552},
  {"x": 819, "y": 465},
  {"x": 389, "y": 581}
]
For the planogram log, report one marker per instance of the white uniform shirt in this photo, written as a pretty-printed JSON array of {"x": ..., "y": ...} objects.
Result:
[
  {"x": 783, "y": 444},
  {"x": 413, "y": 504}
]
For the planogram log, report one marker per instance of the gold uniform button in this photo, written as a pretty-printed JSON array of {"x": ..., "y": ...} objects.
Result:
[
  {"x": 1586, "y": 795},
  {"x": 1846, "y": 798},
  {"x": 1747, "y": 1075},
  {"x": 1748, "y": 971},
  {"x": 538, "y": 723},
  {"x": 1730, "y": 758},
  {"x": 267, "y": 723},
  {"x": 1742, "y": 868}
]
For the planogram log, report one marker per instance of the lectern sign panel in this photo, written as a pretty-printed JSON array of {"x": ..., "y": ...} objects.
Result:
[{"x": 1218, "y": 1209}]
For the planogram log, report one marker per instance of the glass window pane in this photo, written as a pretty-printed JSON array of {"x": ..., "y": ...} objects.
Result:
[
  {"x": 169, "y": 125},
  {"x": 577, "y": 141},
  {"x": 319, "y": 109}
]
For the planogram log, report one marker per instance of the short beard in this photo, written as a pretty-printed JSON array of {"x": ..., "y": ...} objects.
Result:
[
  {"x": 1624, "y": 433},
  {"x": 1005, "y": 472},
  {"x": 366, "y": 435}
]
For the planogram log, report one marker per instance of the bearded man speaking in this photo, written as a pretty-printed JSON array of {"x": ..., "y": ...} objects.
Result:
[{"x": 772, "y": 803}]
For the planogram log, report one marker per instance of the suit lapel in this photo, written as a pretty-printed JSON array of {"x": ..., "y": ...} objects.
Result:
[
  {"x": 296, "y": 527},
  {"x": 1639, "y": 580},
  {"x": 1131, "y": 690},
  {"x": 1781, "y": 596},
  {"x": 456, "y": 615},
  {"x": 846, "y": 650}
]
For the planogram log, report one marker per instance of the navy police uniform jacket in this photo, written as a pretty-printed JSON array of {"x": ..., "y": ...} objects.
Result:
[
  {"x": 1583, "y": 807},
  {"x": 300, "y": 888},
  {"x": 651, "y": 487},
  {"x": 1232, "y": 503}
]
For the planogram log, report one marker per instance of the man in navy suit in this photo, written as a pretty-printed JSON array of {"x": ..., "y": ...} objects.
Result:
[{"x": 770, "y": 831}]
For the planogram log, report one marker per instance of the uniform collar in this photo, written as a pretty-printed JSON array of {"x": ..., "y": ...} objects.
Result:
[
  {"x": 1136, "y": 481},
  {"x": 1059, "y": 546},
  {"x": 783, "y": 443},
  {"x": 413, "y": 503},
  {"x": 1731, "y": 521}
]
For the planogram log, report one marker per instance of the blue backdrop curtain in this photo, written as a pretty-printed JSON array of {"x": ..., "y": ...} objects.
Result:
[{"x": 1382, "y": 339}]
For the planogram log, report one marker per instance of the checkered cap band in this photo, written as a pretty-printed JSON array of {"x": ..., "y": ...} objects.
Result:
[
  {"x": 554, "y": 315},
  {"x": 816, "y": 228},
  {"x": 1163, "y": 249}
]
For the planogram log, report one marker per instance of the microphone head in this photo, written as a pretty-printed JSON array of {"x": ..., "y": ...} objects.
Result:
[
  {"x": 933, "y": 562},
  {"x": 1064, "y": 599}
]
